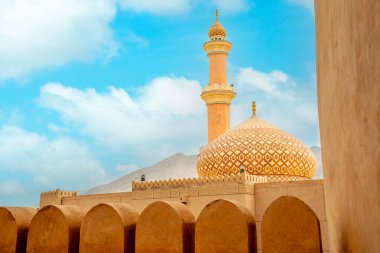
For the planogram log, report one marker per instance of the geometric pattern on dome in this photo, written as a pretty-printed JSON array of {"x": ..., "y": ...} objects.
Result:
[
  {"x": 217, "y": 30},
  {"x": 262, "y": 151}
]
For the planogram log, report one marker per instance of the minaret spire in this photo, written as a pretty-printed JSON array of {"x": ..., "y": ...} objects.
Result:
[{"x": 218, "y": 94}]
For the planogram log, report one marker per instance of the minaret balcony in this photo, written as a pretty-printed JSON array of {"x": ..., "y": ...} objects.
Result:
[
  {"x": 218, "y": 94},
  {"x": 217, "y": 46}
]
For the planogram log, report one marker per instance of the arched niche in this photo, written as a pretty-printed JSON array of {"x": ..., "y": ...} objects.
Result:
[
  {"x": 109, "y": 228},
  {"x": 14, "y": 226},
  {"x": 289, "y": 225},
  {"x": 225, "y": 226},
  {"x": 55, "y": 229},
  {"x": 165, "y": 227}
]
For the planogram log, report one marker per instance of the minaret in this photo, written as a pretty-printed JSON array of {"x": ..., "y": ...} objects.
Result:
[{"x": 218, "y": 94}]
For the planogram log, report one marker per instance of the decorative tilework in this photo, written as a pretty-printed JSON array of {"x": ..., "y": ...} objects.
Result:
[{"x": 261, "y": 149}]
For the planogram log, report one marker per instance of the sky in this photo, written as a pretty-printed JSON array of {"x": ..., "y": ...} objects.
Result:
[{"x": 93, "y": 89}]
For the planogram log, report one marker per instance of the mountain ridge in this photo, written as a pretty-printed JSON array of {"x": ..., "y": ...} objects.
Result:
[{"x": 173, "y": 167}]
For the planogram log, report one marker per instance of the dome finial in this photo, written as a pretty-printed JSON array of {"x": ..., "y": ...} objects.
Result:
[
  {"x": 253, "y": 108},
  {"x": 217, "y": 31}
]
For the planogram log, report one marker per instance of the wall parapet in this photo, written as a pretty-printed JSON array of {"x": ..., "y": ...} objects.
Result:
[
  {"x": 199, "y": 182},
  {"x": 164, "y": 189},
  {"x": 54, "y": 197}
]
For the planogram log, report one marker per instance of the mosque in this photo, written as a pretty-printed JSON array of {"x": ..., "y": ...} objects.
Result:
[
  {"x": 254, "y": 193},
  {"x": 254, "y": 146}
]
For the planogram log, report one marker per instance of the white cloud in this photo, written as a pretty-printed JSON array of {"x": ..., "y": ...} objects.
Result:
[
  {"x": 56, "y": 129},
  {"x": 163, "y": 117},
  {"x": 170, "y": 95},
  {"x": 157, "y": 7},
  {"x": 231, "y": 6},
  {"x": 167, "y": 115},
  {"x": 269, "y": 83},
  {"x": 10, "y": 188},
  {"x": 138, "y": 40},
  {"x": 51, "y": 163},
  {"x": 306, "y": 3},
  {"x": 35, "y": 34},
  {"x": 40, "y": 34},
  {"x": 280, "y": 99}
]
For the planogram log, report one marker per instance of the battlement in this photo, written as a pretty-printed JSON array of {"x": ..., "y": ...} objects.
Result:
[
  {"x": 175, "y": 189},
  {"x": 54, "y": 197},
  {"x": 59, "y": 192},
  {"x": 198, "y": 182}
]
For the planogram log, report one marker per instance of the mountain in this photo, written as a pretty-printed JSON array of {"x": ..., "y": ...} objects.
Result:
[
  {"x": 318, "y": 154},
  {"x": 176, "y": 166}
]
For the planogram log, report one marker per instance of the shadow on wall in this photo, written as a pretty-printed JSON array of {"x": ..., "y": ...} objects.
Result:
[
  {"x": 170, "y": 227},
  {"x": 289, "y": 224}
]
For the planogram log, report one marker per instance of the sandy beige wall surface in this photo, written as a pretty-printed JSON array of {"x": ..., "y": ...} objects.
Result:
[
  {"x": 348, "y": 66},
  {"x": 14, "y": 226}
]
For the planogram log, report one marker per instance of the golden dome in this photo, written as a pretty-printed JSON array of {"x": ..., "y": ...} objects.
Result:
[
  {"x": 260, "y": 149},
  {"x": 217, "y": 30}
]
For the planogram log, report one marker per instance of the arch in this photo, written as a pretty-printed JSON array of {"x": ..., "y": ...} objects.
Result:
[
  {"x": 109, "y": 228},
  {"x": 166, "y": 227},
  {"x": 55, "y": 229},
  {"x": 289, "y": 225},
  {"x": 225, "y": 226},
  {"x": 14, "y": 225}
]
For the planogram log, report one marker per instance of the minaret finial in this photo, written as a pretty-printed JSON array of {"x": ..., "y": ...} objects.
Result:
[
  {"x": 253, "y": 108},
  {"x": 217, "y": 14}
]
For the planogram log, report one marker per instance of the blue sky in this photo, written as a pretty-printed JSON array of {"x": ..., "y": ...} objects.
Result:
[{"x": 93, "y": 89}]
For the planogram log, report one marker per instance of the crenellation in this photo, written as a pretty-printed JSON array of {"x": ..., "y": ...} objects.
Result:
[
  {"x": 199, "y": 182},
  {"x": 54, "y": 197},
  {"x": 168, "y": 188}
]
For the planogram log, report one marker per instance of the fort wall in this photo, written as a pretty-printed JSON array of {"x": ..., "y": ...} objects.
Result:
[
  {"x": 55, "y": 197},
  {"x": 310, "y": 192},
  {"x": 233, "y": 216},
  {"x": 252, "y": 192},
  {"x": 196, "y": 193}
]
